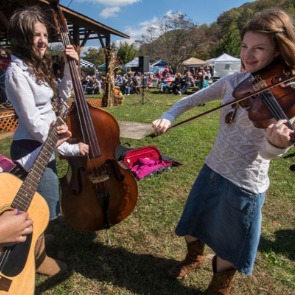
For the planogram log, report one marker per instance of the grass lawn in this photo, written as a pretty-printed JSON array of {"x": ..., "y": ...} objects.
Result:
[{"x": 133, "y": 256}]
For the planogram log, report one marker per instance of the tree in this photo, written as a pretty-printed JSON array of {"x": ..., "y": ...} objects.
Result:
[
  {"x": 170, "y": 40},
  {"x": 126, "y": 52},
  {"x": 95, "y": 55}
]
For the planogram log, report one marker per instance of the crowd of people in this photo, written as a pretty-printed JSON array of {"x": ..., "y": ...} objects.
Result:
[
  {"x": 92, "y": 84},
  {"x": 223, "y": 209},
  {"x": 165, "y": 81}
]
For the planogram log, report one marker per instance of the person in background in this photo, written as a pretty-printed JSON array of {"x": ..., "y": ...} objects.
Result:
[
  {"x": 187, "y": 82},
  {"x": 166, "y": 84},
  {"x": 176, "y": 85},
  {"x": 136, "y": 84},
  {"x": 206, "y": 81},
  {"x": 128, "y": 85},
  {"x": 166, "y": 71},
  {"x": 4, "y": 63},
  {"x": 31, "y": 87},
  {"x": 223, "y": 209}
]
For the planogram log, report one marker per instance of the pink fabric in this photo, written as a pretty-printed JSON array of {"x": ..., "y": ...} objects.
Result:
[
  {"x": 146, "y": 166},
  {"x": 6, "y": 164}
]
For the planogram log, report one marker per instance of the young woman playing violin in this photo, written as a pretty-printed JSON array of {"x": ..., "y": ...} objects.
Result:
[
  {"x": 31, "y": 88},
  {"x": 223, "y": 209}
]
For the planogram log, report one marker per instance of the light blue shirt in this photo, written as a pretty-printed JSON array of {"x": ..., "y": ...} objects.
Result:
[{"x": 32, "y": 103}]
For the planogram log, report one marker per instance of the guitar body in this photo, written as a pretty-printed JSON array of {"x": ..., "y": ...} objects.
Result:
[{"x": 18, "y": 273}]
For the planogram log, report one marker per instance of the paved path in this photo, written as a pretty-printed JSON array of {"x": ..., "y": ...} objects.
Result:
[{"x": 132, "y": 130}]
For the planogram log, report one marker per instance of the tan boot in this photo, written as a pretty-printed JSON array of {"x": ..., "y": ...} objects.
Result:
[
  {"x": 193, "y": 259},
  {"x": 46, "y": 265},
  {"x": 221, "y": 281}
]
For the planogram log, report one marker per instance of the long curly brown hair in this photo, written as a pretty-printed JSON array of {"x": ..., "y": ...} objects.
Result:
[{"x": 21, "y": 36}]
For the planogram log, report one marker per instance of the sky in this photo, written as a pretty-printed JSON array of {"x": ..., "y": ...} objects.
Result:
[{"x": 132, "y": 17}]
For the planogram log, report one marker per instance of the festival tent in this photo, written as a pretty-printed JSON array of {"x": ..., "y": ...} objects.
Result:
[
  {"x": 159, "y": 63},
  {"x": 133, "y": 63},
  {"x": 194, "y": 62},
  {"x": 86, "y": 64},
  {"x": 225, "y": 65},
  {"x": 101, "y": 67},
  {"x": 158, "y": 66},
  {"x": 210, "y": 61}
]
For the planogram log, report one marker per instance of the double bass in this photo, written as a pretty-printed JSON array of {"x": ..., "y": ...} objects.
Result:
[{"x": 97, "y": 192}]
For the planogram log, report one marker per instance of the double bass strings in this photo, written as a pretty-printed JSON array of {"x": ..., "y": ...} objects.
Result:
[{"x": 89, "y": 136}]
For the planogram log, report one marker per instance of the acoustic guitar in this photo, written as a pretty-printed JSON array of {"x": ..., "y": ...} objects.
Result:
[{"x": 17, "y": 262}]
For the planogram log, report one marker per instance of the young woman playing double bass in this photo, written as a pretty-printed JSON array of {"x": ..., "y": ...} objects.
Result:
[
  {"x": 31, "y": 87},
  {"x": 223, "y": 210}
]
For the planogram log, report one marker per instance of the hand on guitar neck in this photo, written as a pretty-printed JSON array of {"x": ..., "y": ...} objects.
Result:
[{"x": 14, "y": 227}]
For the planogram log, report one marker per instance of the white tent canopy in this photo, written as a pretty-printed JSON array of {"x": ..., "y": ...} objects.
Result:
[
  {"x": 210, "y": 61},
  {"x": 133, "y": 63},
  {"x": 225, "y": 65}
]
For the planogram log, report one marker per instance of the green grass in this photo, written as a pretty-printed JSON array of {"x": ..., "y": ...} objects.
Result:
[{"x": 143, "y": 246}]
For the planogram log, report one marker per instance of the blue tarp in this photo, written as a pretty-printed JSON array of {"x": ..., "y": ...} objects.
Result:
[
  {"x": 101, "y": 67},
  {"x": 160, "y": 63}
]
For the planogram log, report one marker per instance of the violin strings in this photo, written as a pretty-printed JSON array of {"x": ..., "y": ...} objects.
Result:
[{"x": 275, "y": 108}]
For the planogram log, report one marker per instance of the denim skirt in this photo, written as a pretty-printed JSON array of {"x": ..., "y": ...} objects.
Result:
[
  {"x": 49, "y": 184},
  {"x": 225, "y": 217}
]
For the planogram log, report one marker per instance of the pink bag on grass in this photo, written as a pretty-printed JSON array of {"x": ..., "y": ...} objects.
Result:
[{"x": 146, "y": 161}]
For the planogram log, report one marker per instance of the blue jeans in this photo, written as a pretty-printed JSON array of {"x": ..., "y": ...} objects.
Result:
[
  {"x": 49, "y": 184},
  {"x": 3, "y": 97}
]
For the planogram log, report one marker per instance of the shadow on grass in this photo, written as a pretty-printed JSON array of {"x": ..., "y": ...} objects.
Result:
[
  {"x": 138, "y": 273},
  {"x": 284, "y": 243}
]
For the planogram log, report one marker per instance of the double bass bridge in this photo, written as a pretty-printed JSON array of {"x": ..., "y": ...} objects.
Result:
[{"x": 97, "y": 179}]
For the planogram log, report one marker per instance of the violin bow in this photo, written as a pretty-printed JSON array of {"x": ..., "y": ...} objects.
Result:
[{"x": 231, "y": 102}]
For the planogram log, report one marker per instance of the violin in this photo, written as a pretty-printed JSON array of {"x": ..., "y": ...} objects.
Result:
[
  {"x": 266, "y": 95},
  {"x": 97, "y": 191}
]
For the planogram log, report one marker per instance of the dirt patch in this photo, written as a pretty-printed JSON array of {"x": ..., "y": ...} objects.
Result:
[{"x": 5, "y": 135}]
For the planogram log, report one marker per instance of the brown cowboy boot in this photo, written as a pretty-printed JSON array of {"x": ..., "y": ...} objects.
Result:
[
  {"x": 46, "y": 265},
  {"x": 221, "y": 281},
  {"x": 193, "y": 259}
]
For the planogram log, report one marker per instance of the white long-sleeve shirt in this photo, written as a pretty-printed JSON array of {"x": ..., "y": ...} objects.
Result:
[
  {"x": 241, "y": 152},
  {"x": 32, "y": 103}
]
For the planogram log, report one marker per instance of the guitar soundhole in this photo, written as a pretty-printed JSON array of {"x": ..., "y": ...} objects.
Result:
[{"x": 17, "y": 257}]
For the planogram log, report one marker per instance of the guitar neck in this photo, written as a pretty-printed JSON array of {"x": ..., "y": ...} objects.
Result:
[{"x": 28, "y": 188}]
